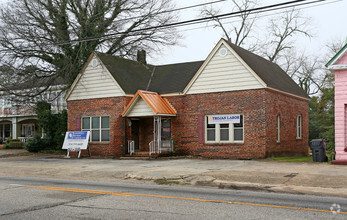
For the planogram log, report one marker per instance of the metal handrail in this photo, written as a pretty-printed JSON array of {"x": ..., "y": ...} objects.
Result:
[
  {"x": 151, "y": 148},
  {"x": 131, "y": 147},
  {"x": 155, "y": 147}
]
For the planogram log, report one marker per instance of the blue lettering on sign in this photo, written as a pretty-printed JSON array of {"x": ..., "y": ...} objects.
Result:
[
  {"x": 77, "y": 135},
  {"x": 225, "y": 118}
]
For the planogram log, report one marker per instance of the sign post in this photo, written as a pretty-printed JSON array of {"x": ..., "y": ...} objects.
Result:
[{"x": 75, "y": 141}]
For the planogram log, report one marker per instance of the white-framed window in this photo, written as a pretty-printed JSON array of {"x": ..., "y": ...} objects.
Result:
[
  {"x": 99, "y": 127},
  {"x": 28, "y": 130},
  {"x": 278, "y": 129},
  {"x": 298, "y": 127},
  {"x": 224, "y": 133}
]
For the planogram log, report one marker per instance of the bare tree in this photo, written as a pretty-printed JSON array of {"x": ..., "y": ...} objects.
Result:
[
  {"x": 310, "y": 71},
  {"x": 282, "y": 32},
  {"x": 239, "y": 31},
  {"x": 45, "y": 42}
]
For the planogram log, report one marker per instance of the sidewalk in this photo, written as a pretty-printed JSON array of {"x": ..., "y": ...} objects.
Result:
[{"x": 304, "y": 178}]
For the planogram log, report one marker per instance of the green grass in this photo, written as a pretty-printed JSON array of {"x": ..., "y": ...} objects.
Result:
[
  {"x": 166, "y": 182},
  {"x": 307, "y": 159}
]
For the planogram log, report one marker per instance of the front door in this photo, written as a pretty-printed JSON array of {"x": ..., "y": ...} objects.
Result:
[{"x": 135, "y": 133}]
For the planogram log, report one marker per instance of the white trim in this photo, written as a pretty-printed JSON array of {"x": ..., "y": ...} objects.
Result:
[
  {"x": 290, "y": 94},
  {"x": 337, "y": 67},
  {"x": 211, "y": 55},
  {"x": 74, "y": 84},
  {"x": 278, "y": 129},
  {"x": 231, "y": 133},
  {"x": 338, "y": 57},
  {"x": 299, "y": 127},
  {"x": 171, "y": 115},
  {"x": 101, "y": 129},
  {"x": 171, "y": 94}
]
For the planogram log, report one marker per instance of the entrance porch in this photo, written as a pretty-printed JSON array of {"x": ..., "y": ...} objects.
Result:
[{"x": 149, "y": 124}]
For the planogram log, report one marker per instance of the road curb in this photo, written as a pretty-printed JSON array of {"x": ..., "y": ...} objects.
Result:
[{"x": 340, "y": 192}]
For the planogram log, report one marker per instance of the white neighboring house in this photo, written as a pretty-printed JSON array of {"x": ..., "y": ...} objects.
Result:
[{"x": 19, "y": 120}]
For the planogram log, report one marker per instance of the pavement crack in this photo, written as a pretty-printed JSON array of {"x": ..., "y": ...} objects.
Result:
[
  {"x": 40, "y": 207},
  {"x": 290, "y": 177}
]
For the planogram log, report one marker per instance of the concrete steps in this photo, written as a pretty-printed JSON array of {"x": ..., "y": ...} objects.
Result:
[{"x": 139, "y": 155}]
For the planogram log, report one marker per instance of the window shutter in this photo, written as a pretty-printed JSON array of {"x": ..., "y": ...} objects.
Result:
[
  {"x": 201, "y": 130},
  {"x": 78, "y": 123}
]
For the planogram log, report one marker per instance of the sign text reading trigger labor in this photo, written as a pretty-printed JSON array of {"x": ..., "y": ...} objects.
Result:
[{"x": 224, "y": 119}]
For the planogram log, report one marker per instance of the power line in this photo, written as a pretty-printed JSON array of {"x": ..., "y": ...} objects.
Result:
[
  {"x": 194, "y": 21},
  {"x": 176, "y": 9},
  {"x": 266, "y": 15},
  {"x": 262, "y": 11},
  {"x": 189, "y": 22}
]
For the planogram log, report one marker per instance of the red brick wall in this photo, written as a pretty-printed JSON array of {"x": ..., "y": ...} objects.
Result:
[
  {"x": 259, "y": 107},
  {"x": 112, "y": 107},
  {"x": 185, "y": 126},
  {"x": 288, "y": 107}
]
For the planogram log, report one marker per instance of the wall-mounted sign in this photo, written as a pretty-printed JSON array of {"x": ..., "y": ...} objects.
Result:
[
  {"x": 75, "y": 141},
  {"x": 223, "y": 119}
]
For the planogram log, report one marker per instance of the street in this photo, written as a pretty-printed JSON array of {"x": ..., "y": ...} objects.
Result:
[{"x": 38, "y": 198}]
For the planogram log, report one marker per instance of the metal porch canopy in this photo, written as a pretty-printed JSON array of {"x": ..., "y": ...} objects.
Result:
[{"x": 150, "y": 104}]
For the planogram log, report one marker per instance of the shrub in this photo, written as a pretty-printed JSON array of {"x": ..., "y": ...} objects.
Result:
[
  {"x": 14, "y": 145},
  {"x": 36, "y": 144},
  {"x": 54, "y": 125}
]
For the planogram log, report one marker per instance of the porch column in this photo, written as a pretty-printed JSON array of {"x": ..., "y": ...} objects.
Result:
[
  {"x": 14, "y": 128},
  {"x": 157, "y": 132}
]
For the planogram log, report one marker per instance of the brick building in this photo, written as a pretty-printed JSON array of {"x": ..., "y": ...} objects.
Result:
[{"x": 234, "y": 104}]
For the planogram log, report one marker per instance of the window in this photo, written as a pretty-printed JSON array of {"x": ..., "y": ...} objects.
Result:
[
  {"x": 5, "y": 130},
  {"x": 166, "y": 129},
  {"x": 99, "y": 128},
  {"x": 228, "y": 132},
  {"x": 278, "y": 128},
  {"x": 298, "y": 127},
  {"x": 28, "y": 130}
]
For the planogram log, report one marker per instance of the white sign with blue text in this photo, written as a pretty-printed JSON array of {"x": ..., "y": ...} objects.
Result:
[
  {"x": 224, "y": 119},
  {"x": 75, "y": 141}
]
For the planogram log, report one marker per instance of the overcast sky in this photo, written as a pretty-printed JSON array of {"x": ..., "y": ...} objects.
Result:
[{"x": 328, "y": 22}]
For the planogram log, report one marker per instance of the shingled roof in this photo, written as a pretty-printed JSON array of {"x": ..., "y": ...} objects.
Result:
[
  {"x": 273, "y": 75},
  {"x": 132, "y": 75},
  {"x": 173, "y": 78}
]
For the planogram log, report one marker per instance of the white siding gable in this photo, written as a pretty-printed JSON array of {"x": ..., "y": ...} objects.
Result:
[
  {"x": 95, "y": 82},
  {"x": 140, "y": 108},
  {"x": 224, "y": 71}
]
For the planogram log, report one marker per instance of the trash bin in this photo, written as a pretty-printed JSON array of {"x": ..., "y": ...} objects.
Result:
[{"x": 318, "y": 147}]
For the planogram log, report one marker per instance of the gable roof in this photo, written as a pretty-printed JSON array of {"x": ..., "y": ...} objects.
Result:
[
  {"x": 273, "y": 75},
  {"x": 129, "y": 74},
  {"x": 174, "y": 78},
  {"x": 337, "y": 56},
  {"x": 132, "y": 75},
  {"x": 158, "y": 104}
]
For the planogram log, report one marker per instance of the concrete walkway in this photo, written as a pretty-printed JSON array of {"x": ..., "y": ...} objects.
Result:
[{"x": 305, "y": 178}]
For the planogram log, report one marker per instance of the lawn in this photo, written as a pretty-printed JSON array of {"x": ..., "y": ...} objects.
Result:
[{"x": 307, "y": 159}]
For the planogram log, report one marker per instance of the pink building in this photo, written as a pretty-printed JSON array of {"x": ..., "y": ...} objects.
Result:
[{"x": 338, "y": 65}]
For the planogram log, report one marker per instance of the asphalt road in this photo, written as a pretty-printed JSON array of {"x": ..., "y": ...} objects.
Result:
[{"x": 35, "y": 198}]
